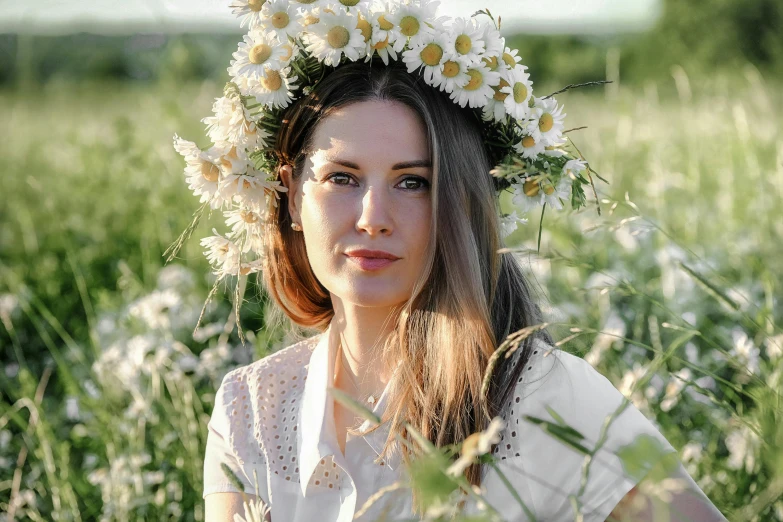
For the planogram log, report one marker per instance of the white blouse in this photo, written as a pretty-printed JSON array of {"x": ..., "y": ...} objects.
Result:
[{"x": 275, "y": 417}]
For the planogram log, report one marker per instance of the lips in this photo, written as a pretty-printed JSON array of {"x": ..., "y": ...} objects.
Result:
[{"x": 371, "y": 259}]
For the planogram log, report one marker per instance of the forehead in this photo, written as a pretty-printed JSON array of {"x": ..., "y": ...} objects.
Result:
[{"x": 377, "y": 130}]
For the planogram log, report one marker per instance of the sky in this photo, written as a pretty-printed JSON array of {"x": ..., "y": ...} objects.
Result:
[{"x": 57, "y": 17}]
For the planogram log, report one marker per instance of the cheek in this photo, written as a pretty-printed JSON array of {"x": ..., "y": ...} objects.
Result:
[
  {"x": 414, "y": 222},
  {"x": 325, "y": 220}
]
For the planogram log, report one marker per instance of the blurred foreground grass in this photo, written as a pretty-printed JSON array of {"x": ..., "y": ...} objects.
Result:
[{"x": 106, "y": 394}]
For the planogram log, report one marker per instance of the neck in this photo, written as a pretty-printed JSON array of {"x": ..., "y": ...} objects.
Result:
[{"x": 361, "y": 330}]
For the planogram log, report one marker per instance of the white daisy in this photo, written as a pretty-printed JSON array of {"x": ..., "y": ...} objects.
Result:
[
  {"x": 478, "y": 89},
  {"x": 234, "y": 161},
  {"x": 249, "y": 11},
  {"x": 520, "y": 89},
  {"x": 281, "y": 18},
  {"x": 510, "y": 58},
  {"x": 450, "y": 75},
  {"x": 574, "y": 167},
  {"x": 494, "y": 44},
  {"x": 555, "y": 150},
  {"x": 549, "y": 119},
  {"x": 222, "y": 253},
  {"x": 230, "y": 122},
  {"x": 495, "y": 107},
  {"x": 248, "y": 188},
  {"x": 554, "y": 193},
  {"x": 256, "y": 243},
  {"x": 509, "y": 223},
  {"x": 384, "y": 50},
  {"x": 256, "y": 53},
  {"x": 415, "y": 20},
  {"x": 202, "y": 168},
  {"x": 335, "y": 34},
  {"x": 430, "y": 54},
  {"x": 275, "y": 90},
  {"x": 365, "y": 26},
  {"x": 467, "y": 40},
  {"x": 243, "y": 221},
  {"x": 383, "y": 29},
  {"x": 529, "y": 146},
  {"x": 527, "y": 195}
]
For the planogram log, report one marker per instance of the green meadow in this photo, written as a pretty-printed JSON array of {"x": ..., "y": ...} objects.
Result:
[{"x": 669, "y": 283}]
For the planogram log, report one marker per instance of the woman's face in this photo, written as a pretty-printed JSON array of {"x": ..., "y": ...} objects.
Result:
[{"x": 366, "y": 186}]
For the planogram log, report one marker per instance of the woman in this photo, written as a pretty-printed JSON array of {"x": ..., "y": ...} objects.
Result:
[{"x": 386, "y": 242}]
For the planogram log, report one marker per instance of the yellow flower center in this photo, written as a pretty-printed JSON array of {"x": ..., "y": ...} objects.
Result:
[
  {"x": 528, "y": 142},
  {"x": 289, "y": 51},
  {"x": 463, "y": 44},
  {"x": 491, "y": 62},
  {"x": 431, "y": 54},
  {"x": 273, "y": 80},
  {"x": 509, "y": 60},
  {"x": 244, "y": 270},
  {"x": 450, "y": 69},
  {"x": 349, "y": 3},
  {"x": 476, "y": 80},
  {"x": 546, "y": 122},
  {"x": 381, "y": 45},
  {"x": 384, "y": 24},
  {"x": 260, "y": 53},
  {"x": 520, "y": 92},
  {"x": 310, "y": 20},
  {"x": 364, "y": 26},
  {"x": 210, "y": 171},
  {"x": 338, "y": 36},
  {"x": 470, "y": 444},
  {"x": 409, "y": 25},
  {"x": 256, "y": 5},
  {"x": 308, "y": 2},
  {"x": 248, "y": 216},
  {"x": 280, "y": 20},
  {"x": 530, "y": 188},
  {"x": 549, "y": 189},
  {"x": 500, "y": 96}
]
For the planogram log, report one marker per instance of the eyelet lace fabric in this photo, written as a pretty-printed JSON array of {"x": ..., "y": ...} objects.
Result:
[
  {"x": 509, "y": 437},
  {"x": 264, "y": 400}
]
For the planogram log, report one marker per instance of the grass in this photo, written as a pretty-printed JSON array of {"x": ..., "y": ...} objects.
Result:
[{"x": 681, "y": 271}]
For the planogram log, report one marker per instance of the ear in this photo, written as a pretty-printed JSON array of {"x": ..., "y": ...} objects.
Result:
[{"x": 287, "y": 177}]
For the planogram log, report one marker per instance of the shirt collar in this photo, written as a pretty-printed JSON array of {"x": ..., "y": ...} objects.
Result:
[{"x": 317, "y": 435}]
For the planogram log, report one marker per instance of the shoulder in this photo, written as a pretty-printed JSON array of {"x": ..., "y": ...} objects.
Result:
[
  {"x": 288, "y": 365},
  {"x": 558, "y": 388},
  {"x": 255, "y": 398}
]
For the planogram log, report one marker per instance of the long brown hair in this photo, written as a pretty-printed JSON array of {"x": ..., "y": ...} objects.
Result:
[{"x": 468, "y": 298}]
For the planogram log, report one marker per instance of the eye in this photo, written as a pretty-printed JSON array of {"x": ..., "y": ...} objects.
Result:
[
  {"x": 339, "y": 178},
  {"x": 415, "y": 183}
]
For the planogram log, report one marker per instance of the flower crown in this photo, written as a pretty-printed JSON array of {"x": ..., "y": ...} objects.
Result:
[{"x": 292, "y": 44}]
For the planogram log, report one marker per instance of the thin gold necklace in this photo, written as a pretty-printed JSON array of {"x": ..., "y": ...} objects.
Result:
[{"x": 371, "y": 398}]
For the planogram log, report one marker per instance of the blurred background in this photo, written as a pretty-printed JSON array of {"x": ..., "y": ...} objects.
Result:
[{"x": 672, "y": 291}]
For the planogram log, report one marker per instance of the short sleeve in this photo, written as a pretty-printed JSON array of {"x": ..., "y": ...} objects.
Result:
[
  {"x": 552, "y": 469},
  {"x": 220, "y": 445}
]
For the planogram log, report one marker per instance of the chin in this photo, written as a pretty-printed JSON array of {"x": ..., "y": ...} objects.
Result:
[{"x": 375, "y": 295}]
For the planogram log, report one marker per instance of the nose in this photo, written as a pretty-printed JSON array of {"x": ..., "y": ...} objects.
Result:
[{"x": 375, "y": 216}]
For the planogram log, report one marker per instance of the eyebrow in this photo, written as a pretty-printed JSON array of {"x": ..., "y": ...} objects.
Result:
[{"x": 397, "y": 166}]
